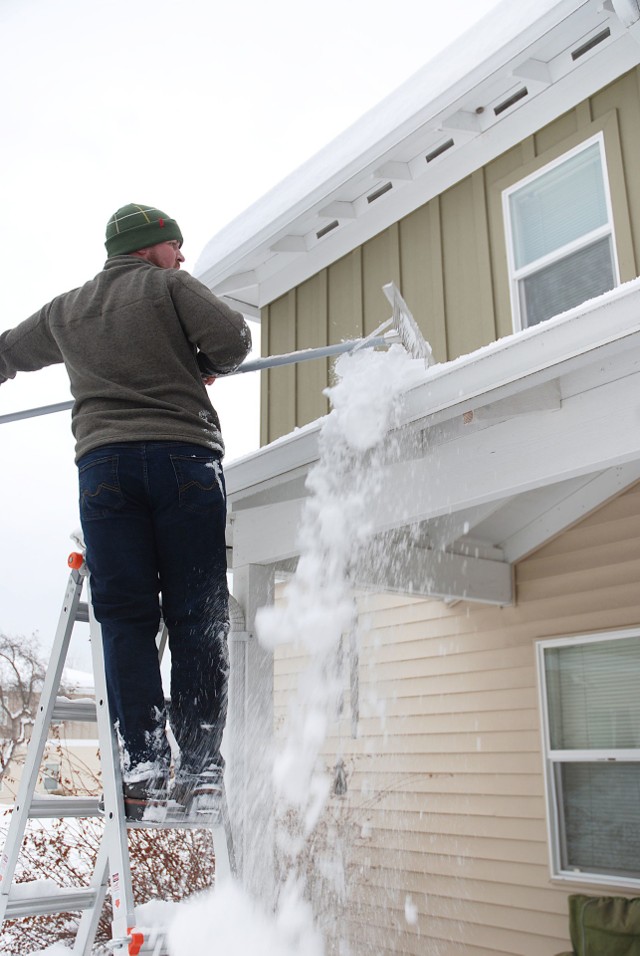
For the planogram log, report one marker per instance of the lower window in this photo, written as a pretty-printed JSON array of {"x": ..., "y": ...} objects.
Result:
[{"x": 591, "y": 732}]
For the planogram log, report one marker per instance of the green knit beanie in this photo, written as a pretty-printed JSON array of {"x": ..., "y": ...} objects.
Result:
[{"x": 135, "y": 227}]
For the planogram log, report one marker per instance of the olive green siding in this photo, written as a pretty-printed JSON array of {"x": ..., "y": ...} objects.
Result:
[{"x": 448, "y": 258}]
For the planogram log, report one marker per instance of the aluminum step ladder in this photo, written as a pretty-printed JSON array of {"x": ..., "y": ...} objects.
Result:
[{"x": 112, "y": 870}]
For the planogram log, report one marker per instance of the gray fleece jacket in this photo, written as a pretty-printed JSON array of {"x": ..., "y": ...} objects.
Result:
[{"x": 135, "y": 341}]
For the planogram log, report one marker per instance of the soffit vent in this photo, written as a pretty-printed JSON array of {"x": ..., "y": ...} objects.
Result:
[
  {"x": 326, "y": 229},
  {"x": 379, "y": 192},
  {"x": 439, "y": 150},
  {"x": 511, "y": 100},
  {"x": 589, "y": 45}
]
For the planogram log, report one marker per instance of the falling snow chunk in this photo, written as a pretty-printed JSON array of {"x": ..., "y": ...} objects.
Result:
[{"x": 410, "y": 911}]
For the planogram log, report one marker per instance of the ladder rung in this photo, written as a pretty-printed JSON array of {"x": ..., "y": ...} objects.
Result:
[
  {"x": 174, "y": 818},
  {"x": 66, "y": 709},
  {"x": 70, "y": 899},
  {"x": 46, "y": 807}
]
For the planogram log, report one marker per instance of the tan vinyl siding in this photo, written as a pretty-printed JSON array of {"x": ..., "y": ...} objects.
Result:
[
  {"x": 446, "y": 794},
  {"x": 448, "y": 257}
]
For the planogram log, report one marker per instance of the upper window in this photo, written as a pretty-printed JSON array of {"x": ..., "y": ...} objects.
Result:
[
  {"x": 560, "y": 238},
  {"x": 591, "y": 723}
]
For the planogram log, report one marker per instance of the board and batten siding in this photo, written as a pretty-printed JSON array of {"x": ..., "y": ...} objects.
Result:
[
  {"x": 445, "y": 807},
  {"x": 448, "y": 259}
]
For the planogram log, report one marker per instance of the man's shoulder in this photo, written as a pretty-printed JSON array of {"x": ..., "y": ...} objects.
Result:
[{"x": 180, "y": 277}]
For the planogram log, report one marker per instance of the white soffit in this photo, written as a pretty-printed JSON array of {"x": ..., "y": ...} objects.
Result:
[{"x": 519, "y": 68}]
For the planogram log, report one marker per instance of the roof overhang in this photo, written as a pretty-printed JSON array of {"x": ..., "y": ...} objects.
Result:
[
  {"x": 503, "y": 449},
  {"x": 522, "y": 66}
]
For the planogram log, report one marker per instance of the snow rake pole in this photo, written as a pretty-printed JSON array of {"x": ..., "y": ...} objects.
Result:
[{"x": 405, "y": 331}]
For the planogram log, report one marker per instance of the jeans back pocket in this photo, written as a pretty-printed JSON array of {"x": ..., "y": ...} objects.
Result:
[
  {"x": 100, "y": 492},
  {"x": 200, "y": 483}
]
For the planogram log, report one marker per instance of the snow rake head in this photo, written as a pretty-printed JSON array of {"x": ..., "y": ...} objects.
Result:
[{"x": 410, "y": 336}]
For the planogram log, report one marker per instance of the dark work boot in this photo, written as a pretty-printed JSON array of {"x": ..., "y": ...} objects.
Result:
[
  {"x": 143, "y": 796},
  {"x": 199, "y": 793}
]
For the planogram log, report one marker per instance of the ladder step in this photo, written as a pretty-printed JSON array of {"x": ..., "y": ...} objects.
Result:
[
  {"x": 66, "y": 709},
  {"x": 51, "y": 807},
  {"x": 173, "y": 816},
  {"x": 23, "y": 901}
]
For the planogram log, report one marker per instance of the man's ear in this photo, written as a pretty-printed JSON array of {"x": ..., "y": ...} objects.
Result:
[{"x": 142, "y": 253}]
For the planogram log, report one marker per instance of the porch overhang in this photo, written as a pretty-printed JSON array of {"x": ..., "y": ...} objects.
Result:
[{"x": 502, "y": 450}]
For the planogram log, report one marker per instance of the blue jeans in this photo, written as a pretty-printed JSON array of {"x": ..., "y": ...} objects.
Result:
[{"x": 153, "y": 516}]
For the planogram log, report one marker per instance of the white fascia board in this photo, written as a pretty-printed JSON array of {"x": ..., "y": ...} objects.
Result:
[
  {"x": 575, "y": 505},
  {"x": 277, "y": 462},
  {"x": 526, "y": 359},
  {"x": 505, "y": 34},
  {"x": 597, "y": 329}
]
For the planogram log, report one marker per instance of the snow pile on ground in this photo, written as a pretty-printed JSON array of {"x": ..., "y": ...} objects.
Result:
[{"x": 227, "y": 921}]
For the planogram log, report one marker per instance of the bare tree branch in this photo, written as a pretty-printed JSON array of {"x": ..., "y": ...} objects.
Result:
[{"x": 22, "y": 674}]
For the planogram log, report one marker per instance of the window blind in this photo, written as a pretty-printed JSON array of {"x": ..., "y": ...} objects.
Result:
[
  {"x": 601, "y": 815},
  {"x": 592, "y": 692},
  {"x": 568, "y": 282},
  {"x": 558, "y": 207}
]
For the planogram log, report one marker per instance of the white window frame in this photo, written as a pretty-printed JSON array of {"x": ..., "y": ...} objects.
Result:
[
  {"x": 515, "y": 274},
  {"x": 552, "y": 757}
]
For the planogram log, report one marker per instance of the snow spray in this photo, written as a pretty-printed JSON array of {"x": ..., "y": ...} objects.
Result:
[{"x": 317, "y": 611}]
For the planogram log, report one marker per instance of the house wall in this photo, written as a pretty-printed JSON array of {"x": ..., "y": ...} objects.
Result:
[
  {"x": 446, "y": 798},
  {"x": 72, "y": 748},
  {"x": 448, "y": 259}
]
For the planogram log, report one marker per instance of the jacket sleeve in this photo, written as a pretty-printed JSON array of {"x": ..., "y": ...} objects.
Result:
[
  {"x": 221, "y": 334},
  {"x": 28, "y": 347}
]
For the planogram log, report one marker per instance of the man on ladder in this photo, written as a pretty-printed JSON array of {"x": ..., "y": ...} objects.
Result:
[{"x": 140, "y": 341}]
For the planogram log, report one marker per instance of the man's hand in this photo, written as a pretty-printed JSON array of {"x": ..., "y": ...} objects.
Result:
[{"x": 208, "y": 379}]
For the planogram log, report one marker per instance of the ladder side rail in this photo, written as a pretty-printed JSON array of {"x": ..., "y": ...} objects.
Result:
[
  {"x": 225, "y": 864},
  {"x": 37, "y": 743},
  {"x": 88, "y": 925},
  {"x": 115, "y": 824}
]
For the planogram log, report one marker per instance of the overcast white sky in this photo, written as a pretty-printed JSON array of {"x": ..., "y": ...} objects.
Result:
[{"x": 197, "y": 107}]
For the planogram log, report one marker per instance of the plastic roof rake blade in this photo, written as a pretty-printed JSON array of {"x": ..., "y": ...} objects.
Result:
[{"x": 406, "y": 326}]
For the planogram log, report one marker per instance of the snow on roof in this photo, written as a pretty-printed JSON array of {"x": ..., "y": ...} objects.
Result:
[
  {"x": 506, "y": 32},
  {"x": 436, "y": 79}
]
